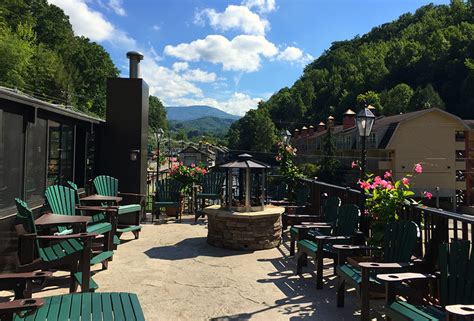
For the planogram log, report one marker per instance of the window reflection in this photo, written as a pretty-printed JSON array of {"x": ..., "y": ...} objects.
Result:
[{"x": 36, "y": 160}]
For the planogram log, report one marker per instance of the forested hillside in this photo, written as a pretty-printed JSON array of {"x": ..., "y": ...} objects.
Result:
[
  {"x": 40, "y": 55},
  {"x": 421, "y": 60}
]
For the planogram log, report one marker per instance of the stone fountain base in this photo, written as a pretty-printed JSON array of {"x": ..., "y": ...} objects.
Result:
[{"x": 244, "y": 231}]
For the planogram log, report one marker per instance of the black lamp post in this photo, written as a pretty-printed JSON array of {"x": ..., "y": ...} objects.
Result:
[
  {"x": 365, "y": 120},
  {"x": 285, "y": 136},
  {"x": 158, "y": 135}
]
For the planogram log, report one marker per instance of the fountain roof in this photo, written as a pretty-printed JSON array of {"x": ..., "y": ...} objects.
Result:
[{"x": 244, "y": 161}]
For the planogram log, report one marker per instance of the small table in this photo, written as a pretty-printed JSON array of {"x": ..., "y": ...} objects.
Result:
[
  {"x": 78, "y": 223},
  {"x": 102, "y": 198}
]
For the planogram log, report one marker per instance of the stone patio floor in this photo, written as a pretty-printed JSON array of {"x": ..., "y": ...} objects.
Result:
[{"x": 178, "y": 276}]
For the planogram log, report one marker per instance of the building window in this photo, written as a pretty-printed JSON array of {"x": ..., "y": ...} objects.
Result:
[
  {"x": 340, "y": 142},
  {"x": 61, "y": 153},
  {"x": 36, "y": 160},
  {"x": 460, "y": 176},
  {"x": 11, "y": 158},
  {"x": 347, "y": 142},
  {"x": 459, "y": 136},
  {"x": 460, "y": 155}
]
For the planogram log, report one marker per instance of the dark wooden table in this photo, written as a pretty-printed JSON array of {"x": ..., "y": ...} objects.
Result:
[
  {"x": 78, "y": 223},
  {"x": 102, "y": 198}
]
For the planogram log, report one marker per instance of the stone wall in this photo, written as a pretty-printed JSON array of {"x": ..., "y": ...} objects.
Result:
[{"x": 244, "y": 233}]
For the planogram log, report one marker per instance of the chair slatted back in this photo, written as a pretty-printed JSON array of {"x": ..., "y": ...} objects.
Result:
[
  {"x": 76, "y": 189},
  {"x": 167, "y": 190},
  {"x": 399, "y": 241},
  {"x": 212, "y": 183},
  {"x": 456, "y": 264},
  {"x": 25, "y": 217},
  {"x": 347, "y": 220},
  {"x": 330, "y": 209},
  {"x": 61, "y": 200},
  {"x": 106, "y": 185}
]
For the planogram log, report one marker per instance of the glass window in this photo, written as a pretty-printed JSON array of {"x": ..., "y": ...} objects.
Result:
[
  {"x": 36, "y": 160},
  {"x": 61, "y": 153},
  {"x": 90, "y": 158},
  {"x": 11, "y": 158},
  {"x": 347, "y": 142}
]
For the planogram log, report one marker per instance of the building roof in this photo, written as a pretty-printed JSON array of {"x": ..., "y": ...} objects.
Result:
[
  {"x": 22, "y": 98},
  {"x": 244, "y": 161},
  {"x": 349, "y": 112},
  {"x": 192, "y": 149}
]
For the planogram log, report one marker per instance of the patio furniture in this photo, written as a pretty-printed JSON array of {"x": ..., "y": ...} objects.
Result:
[
  {"x": 211, "y": 189},
  {"x": 319, "y": 246},
  {"x": 78, "y": 306},
  {"x": 456, "y": 291},
  {"x": 62, "y": 200},
  {"x": 360, "y": 272},
  {"x": 167, "y": 195},
  {"x": 327, "y": 216},
  {"x": 71, "y": 252},
  {"x": 108, "y": 186}
]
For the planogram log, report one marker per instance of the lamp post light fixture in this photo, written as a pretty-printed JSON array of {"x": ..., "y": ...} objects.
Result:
[
  {"x": 158, "y": 135},
  {"x": 365, "y": 121},
  {"x": 285, "y": 136}
]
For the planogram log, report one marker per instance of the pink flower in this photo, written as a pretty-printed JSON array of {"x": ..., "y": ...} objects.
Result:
[
  {"x": 192, "y": 165},
  {"x": 364, "y": 185},
  {"x": 418, "y": 168},
  {"x": 384, "y": 183},
  {"x": 354, "y": 164},
  {"x": 389, "y": 186},
  {"x": 428, "y": 195},
  {"x": 387, "y": 175},
  {"x": 377, "y": 181},
  {"x": 405, "y": 181}
]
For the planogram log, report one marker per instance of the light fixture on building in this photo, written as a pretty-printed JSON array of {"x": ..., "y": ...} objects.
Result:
[
  {"x": 285, "y": 136},
  {"x": 134, "y": 154},
  {"x": 365, "y": 121}
]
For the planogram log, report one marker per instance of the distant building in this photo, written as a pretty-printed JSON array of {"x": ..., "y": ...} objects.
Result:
[
  {"x": 192, "y": 155},
  {"x": 441, "y": 141}
]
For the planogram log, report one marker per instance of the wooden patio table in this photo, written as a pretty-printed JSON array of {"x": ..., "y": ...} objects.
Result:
[
  {"x": 78, "y": 223},
  {"x": 102, "y": 198}
]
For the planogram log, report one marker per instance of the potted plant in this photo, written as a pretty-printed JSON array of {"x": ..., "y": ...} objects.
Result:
[
  {"x": 188, "y": 176},
  {"x": 290, "y": 172},
  {"x": 388, "y": 197}
]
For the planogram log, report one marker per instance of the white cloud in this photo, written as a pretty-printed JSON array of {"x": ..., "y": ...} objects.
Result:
[
  {"x": 180, "y": 66},
  {"x": 262, "y": 6},
  {"x": 293, "y": 54},
  {"x": 234, "y": 17},
  {"x": 237, "y": 104},
  {"x": 92, "y": 24},
  {"x": 242, "y": 53},
  {"x": 156, "y": 27},
  {"x": 116, "y": 6},
  {"x": 199, "y": 75}
]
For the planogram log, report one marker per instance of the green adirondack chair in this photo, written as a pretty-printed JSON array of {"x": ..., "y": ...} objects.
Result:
[
  {"x": 78, "y": 306},
  {"x": 62, "y": 200},
  {"x": 319, "y": 244},
  {"x": 108, "y": 186},
  {"x": 455, "y": 282},
  {"x": 211, "y": 189},
  {"x": 328, "y": 216},
  {"x": 400, "y": 238},
  {"x": 167, "y": 195},
  {"x": 71, "y": 252},
  {"x": 98, "y": 216}
]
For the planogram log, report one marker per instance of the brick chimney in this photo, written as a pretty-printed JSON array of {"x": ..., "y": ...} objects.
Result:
[
  {"x": 304, "y": 131},
  {"x": 297, "y": 133},
  {"x": 310, "y": 130},
  {"x": 348, "y": 120},
  {"x": 321, "y": 126},
  {"x": 330, "y": 121}
]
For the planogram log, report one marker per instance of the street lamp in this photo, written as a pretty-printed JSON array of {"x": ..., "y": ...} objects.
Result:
[
  {"x": 158, "y": 135},
  {"x": 285, "y": 136},
  {"x": 364, "y": 120}
]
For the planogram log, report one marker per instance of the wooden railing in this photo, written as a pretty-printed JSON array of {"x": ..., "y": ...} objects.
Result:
[{"x": 436, "y": 225}]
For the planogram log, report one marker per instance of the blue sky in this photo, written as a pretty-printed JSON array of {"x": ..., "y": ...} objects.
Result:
[{"x": 227, "y": 54}]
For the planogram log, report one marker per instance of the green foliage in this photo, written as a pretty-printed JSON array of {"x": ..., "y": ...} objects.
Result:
[
  {"x": 254, "y": 131},
  {"x": 310, "y": 169},
  {"x": 329, "y": 165},
  {"x": 369, "y": 98},
  {"x": 187, "y": 176},
  {"x": 156, "y": 114},
  {"x": 425, "y": 97},
  {"x": 397, "y": 100},
  {"x": 207, "y": 126},
  {"x": 288, "y": 170},
  {"x": 40, "y": 55}
]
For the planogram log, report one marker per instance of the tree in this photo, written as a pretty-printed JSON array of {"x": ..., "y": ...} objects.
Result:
[
  {"x": 425, "y": 97},
  {"x": 397, "y": 99},
  {"x": 181, "y": 135},
  {"x": 156, "y": 114},
  {"x": 329, "y": 165},
  {"x": 369, "y": 98}
]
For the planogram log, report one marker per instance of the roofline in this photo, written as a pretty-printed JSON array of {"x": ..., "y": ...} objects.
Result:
[
  {"x": 22, "y": 98},
  {"x": 423, "y": 112}
]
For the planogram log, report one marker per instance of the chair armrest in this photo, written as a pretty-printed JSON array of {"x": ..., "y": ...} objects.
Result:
[
  {"x": 324, "y": 238},
  {"x": 98, "y": 208},
  {"x": 66, "y": 237},
  {"x": 357, "y": 247},
  {"x": 462, "y": 310},
  {"x": 400, "y": 277},
  {"x": 131, "y": 194},
  {"x": 26, "y": 275},
  {"x": 22, "y": 307},
  {"x": 383, "y": 266}
]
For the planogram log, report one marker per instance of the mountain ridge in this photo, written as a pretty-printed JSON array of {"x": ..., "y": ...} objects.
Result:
[{"x": 187, "y": 113}]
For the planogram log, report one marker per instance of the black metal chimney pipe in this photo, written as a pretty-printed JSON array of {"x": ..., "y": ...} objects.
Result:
[{"x": 134, "y": 57}]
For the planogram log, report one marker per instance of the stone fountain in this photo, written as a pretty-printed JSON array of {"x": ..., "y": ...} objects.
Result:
[{"x": 243, "y": 221}]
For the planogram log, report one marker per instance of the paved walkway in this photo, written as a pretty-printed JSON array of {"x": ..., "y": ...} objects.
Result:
[{"x": 178, "y": 276}]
